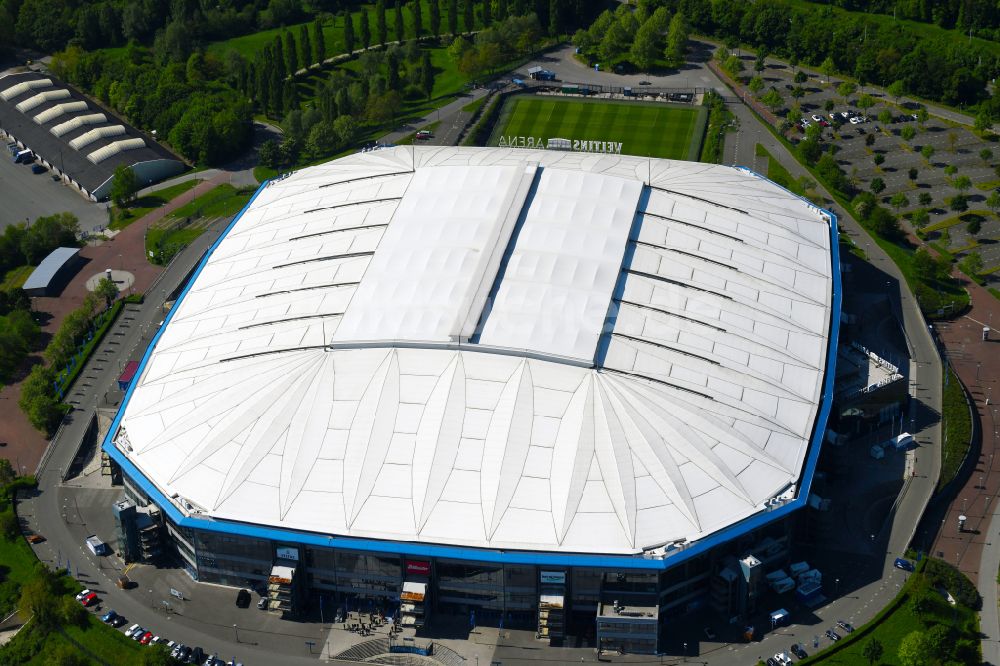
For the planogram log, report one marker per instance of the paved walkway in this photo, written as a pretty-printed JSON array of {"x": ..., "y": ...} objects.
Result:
[{"x": 24, "y": 444}]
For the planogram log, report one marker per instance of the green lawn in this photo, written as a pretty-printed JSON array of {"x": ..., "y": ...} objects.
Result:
[
  {"x": 143, "y": 205},
  {"x": 15, "y": 277},
  {"x": 220, "y": 201},
  {"x": 650, "y": 130}
]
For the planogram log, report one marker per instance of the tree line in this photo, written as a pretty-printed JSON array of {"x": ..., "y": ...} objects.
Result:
[{"x": 645, "y": 37}]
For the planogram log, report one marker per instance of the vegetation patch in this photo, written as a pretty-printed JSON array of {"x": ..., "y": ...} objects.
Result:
[
  {"x": 964, "y": 218},
  {"x": 145, "y": 204},
  {"x": 918, "y": 627},
  {"x": 956, "y": 427},
  {"x": 15, "y": 277},
  {"x": 720, "y": 121}
]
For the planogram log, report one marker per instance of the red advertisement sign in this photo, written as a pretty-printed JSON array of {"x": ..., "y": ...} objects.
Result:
[{"x": 418, "y": 567}]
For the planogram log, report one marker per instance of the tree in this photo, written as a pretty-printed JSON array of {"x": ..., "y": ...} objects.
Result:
[
  {"x": 346, "y": 129},
  {"x": 952, "y": 141},
  {"x": 646, "y": 45},
  {"x": 756, "y": 85},
  {"x": 912, "y": 173},
  {"x": 435, "y": 24},
  {"x": 39, "y": 597},
  {"x": 555, "y": 16},
  {"x": 760, "y": 62},
  {"x": 984, "y": 120},
  {"x": 895, "y": 90},
  {"x": 898, "y": 201},
  {"x": 885, "y": 116},
  {"x": 993, "y": 201},
  {"x": 873, "y": 651},
  {"x": 426, "y": 74},
  {"x": 773, "y": 100},
  {"x": 959, "y": 203},
  {"x": 877, "y": 185},
  {"x": 986, "y": 155},
  {"x": 366, "y": 30},
  {"x": 468, "y": 15},
  {"x": 798, "y": 92},
  {"x": 925, "y": 198},
  {"x": 418, "y": 19},
  {"x": 381, "y": 31},
  {"x": 800, "y": 77},
  {"x": 845, "y": 90},
  {"x": 453, "y": 17},
  {"x": 306, "y": 55},
  {"x": 907, "y": 133},
  {"x": 319, "y": 40},
  {"x": 291, "y": 54},
  {"x": 926, "y": 268},
  {"x": 398, "y": 24},
  {"x": 913, "y": 650},
  {"x": 919, "y": 218},
  {"x": 268, "y": 154},
  {"x": 972, "y": 265},
  {"x": 124, "y": 186},
  {"x": 866, "y": 102},
  {"x": 922, "y": 116},
  {"x": 107, "y": 290},
  {"x": 870, "y": 140},
  {"x": 962, "y": 183},
  {"x": 348, "y": 32},
  {"x": 677, "y": 37},
  {"x": 974, "y": 225},
  {"x": 878, "y": 158},
  {"x": 927, "y": 151},
  {"x": 322, "y": 139},
  {"x": 827, "y": 67}
]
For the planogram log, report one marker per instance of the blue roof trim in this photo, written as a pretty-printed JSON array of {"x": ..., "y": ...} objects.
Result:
[{"x": 501, "y": 556}]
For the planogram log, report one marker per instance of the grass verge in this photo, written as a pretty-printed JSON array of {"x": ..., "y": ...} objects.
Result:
[
  {"x": 142, "y": 205},
  {"x": 220, "y": 201},
  {"x": 102, "y": 323},
  {"x": 15, "y": 277},
  {"x": 956, "y": 426}
]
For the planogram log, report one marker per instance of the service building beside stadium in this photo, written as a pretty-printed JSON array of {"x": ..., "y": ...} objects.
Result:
[{"x": 552, "y": 389}]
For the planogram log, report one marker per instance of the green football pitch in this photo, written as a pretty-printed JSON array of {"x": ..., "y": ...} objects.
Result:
[{"x": 648, "y": 129}]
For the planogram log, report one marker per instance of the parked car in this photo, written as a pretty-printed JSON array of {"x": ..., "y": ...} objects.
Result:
[
  {"x": 80, "y": 596},
  {"x": 90, "y": 599},
  {"x": 38, "y": 168},
  {"x": 845, "y": 114},
  {"x": 423, "y": 135},
  {"x": 183, "y": 654},
  {"x": 816, "y": 118},
  {"x": 197, "y": 656},
  {"x": 243, "y": 599},
  {"x": 109, "y": 617},
  {"x": 823, "y": 123},
  {"x": 798, "y": 651},
  {"x": 262, "y": 603},
  {"x": 176, "y": 650},
  {"x": 783, "y": 659},
  {"x": 905, "y": 565},
  {"x": 846, "y": 626},
  {"x": 146, "y": 638},
  {"x": 118, "y": 621},
  {"x": 133, "y": 629},
  {"x": 137, "y": 636},
  {"x": 855, "y": 120},
  {"x": 35, "y": 538},
  {"x": 832, "y": 635}
]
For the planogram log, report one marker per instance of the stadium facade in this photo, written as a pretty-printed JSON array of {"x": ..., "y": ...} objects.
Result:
[{"x": 542, "y": 388}]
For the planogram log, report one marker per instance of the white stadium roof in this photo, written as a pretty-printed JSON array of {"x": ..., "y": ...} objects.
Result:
[{"x": 498, "y": 348}]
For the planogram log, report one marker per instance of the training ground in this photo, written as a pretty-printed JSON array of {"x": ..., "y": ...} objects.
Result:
[{"x": 648, "y": 129}]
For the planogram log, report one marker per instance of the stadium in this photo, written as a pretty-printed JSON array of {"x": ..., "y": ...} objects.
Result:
[{"x": 534, "y": 387}]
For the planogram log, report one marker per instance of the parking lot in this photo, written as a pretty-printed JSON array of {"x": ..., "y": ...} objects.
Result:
[
  {"x": 27, "y": 196},
  {"x": 877, "y": 149}
]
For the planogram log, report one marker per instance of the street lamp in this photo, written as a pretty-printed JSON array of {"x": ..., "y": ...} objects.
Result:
[{"x": 237, "y": 632}]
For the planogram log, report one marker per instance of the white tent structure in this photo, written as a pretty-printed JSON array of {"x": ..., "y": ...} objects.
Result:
[{"x": 495, "y": 348}]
